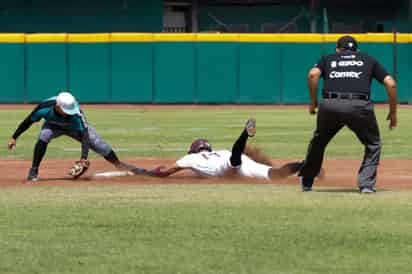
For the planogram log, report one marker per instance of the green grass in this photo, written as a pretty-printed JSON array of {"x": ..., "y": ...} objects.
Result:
[
  {"x": 203, "y": 229},
  {"x": 283, "y": 133},
  {"x": 103, "y": 228}
]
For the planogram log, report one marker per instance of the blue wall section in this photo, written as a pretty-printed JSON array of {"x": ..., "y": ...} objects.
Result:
[
  {"x": 46, "y": 70},
  {"x": 259, "y": 73},
  {"x": 89, "y": 72},
  {"x": 132, "y": 73},
  {"x": 217, "y": 73},
  {"x": 174, "y": 73},
  {"x": 12, "y": 73},
  {"x": 155, "y": 71},
  {"x": 403, "y": 72},
  {"x": 297, "y": 60}
]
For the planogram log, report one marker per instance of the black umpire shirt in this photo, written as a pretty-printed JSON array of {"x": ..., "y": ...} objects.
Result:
[{"x": 350, "y": 72}]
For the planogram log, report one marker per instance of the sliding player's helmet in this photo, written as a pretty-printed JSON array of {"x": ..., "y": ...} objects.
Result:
[{"x": 199, "y": 145}]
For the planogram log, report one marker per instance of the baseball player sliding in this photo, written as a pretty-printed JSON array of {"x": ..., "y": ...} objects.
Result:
[
  {"x": 63, "y": 116},
  {"x": 208, "y": 163}
]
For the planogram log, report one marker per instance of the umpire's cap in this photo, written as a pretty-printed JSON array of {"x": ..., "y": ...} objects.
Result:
[{"x": 347, "y": 42}]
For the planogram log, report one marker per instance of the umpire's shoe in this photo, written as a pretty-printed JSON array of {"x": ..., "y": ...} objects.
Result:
[
  {"x": 367, "y": 190},
  {"x": 306, "y": 184},
  {"x": 33, "y": 174},
  {"x": 251, "y": 127}
]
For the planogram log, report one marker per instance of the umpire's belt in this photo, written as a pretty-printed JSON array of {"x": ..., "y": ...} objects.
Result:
[{"x": 345, "y": 95}]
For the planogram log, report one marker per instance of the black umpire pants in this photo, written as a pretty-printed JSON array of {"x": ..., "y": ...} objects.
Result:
[{"x": 357, "y": 115}]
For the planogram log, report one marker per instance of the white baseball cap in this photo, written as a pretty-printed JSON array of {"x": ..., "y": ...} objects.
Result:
[{"x": 67, "y": 103}]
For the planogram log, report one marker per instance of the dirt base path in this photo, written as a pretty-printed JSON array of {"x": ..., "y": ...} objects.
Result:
[{"x": 393, "y": 174}]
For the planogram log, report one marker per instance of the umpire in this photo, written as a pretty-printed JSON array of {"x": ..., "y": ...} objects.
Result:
[{"x": 347, "y": 76}]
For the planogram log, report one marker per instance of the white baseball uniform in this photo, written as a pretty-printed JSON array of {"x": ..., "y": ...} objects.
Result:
[{"x": 217, "y": 164}]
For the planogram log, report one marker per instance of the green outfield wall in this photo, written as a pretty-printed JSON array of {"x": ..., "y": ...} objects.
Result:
[{"x": 182, "y": 68}]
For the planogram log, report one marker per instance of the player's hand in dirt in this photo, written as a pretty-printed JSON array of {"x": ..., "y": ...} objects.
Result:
[
  {"x": 12, "y": 144},
  {"x": 158, "y": 172}
]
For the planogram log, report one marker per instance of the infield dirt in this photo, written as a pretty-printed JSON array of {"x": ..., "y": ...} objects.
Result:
[{"x": 393, "y": 174}]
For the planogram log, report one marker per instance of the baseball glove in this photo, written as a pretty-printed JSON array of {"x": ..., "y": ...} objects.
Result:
[{"x": 79, "y": 168}]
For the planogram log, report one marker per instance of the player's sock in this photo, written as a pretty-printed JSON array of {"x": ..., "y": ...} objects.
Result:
[
  {"x": 130, "y": 167},
  {"x": 112, "y": 158},
  {"x": 39, "y": 151},
  {"x": 238, "y": 148}
]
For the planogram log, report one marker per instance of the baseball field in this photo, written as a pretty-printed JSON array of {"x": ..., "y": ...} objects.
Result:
[{"x": 184, "y": 224}]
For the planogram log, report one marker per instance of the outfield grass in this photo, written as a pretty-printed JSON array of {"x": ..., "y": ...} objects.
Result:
[
  {"x": 283, "y": 133},
  {"x": 107, "y": 228},
  {"x": 203, "y": 229}
]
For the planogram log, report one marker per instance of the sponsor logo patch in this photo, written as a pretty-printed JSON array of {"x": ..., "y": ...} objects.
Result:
[
  {"x": 352, "y": 63},
  {"x": 345, "y": 74}
]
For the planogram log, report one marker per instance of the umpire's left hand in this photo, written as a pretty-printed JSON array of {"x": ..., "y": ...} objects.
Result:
[
  {"x": 393, "y": 120},
  {"x": 312, "y": 108}
]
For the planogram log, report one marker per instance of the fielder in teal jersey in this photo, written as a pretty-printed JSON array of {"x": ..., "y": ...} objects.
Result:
[{"x": 63, "y": 116}]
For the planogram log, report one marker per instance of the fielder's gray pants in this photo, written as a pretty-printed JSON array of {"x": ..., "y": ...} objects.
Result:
[
  {"x": 357, "y": 115},
  {"x": 97, "y": 144}
]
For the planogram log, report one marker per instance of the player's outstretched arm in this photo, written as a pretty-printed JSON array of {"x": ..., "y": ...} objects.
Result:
[
  {"x": 162, "y": 171},
  {"x": 24, "y": 125}
]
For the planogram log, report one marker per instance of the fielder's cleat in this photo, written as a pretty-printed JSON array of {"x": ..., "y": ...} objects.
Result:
[
  {"x": 251, "y": 127},
  {"x": 33, "y": 175},
  {"x": 367, "y": 190}
]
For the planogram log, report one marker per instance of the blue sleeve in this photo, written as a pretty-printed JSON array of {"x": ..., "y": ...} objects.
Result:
[
  {"x": 34, "y": 116},
  {"x": 38, "y": 114}
]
